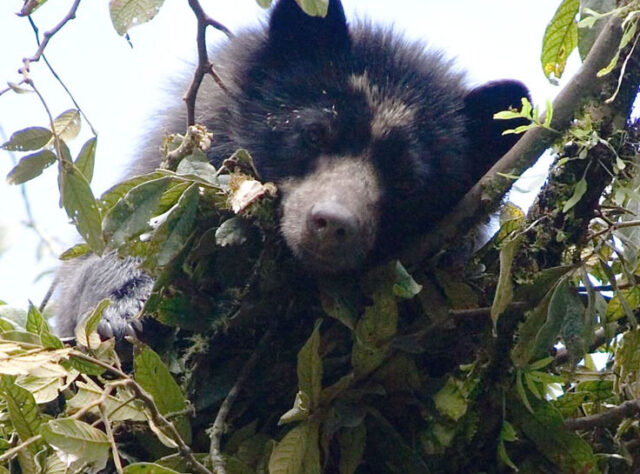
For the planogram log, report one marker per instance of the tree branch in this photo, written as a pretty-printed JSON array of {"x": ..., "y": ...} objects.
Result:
[
  {"x": 627, "y": 409},
  {"x": 489, "y": 191},
  {"x": 204, "y": 65},
  {"x": 46, "y": 37},
  {"x": 58, "y": 78},
  {"x": 217, "y": 429}
]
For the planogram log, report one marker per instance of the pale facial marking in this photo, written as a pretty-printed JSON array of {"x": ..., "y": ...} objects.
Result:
[{"x": 389, "y": 111}]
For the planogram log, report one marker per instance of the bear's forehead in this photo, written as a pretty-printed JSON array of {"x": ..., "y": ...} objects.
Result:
[
  {"x": 389, "y": 110},
  {"x": 383, "y": 105}
]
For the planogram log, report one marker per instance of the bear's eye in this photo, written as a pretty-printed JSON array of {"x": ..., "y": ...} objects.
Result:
[{"x": 315, "y": 135}]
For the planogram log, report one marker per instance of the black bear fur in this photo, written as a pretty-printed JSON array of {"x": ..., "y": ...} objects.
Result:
[{"x": 371, "y": 139}]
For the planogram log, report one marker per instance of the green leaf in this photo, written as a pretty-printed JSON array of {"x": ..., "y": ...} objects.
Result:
[
  {"x": 450, "y": 400},
  {"x": 27, "y": 461},
  {"x": 616, "y": 308},
  {"x": 577, "y": 325},
  {"x": 504, "y": 291},
  {"x": 151, "y": 373},
  {"x": 378, "y": 324},
  {"x": 198, "y": 165},
  {"x": 578, "y": 192},
  {"x": 384, "y": 440},
  {"x": 588, "y": 32},
  {"x": 31, "y": 166},
  {"x": 507, "y": 433},
  {"x": 525, "y": 346},
  {"x": 28, "y": 139},
  {"x": 17, "y": 317},
  {"x": 298, "y": 452},
  {"x": 81, "y": 206},
  {"x": 130, "y": 215},
  {"x": 86, "y": 158},
  {"x": 506, "y": 115},
  {"x": 629, "y": 33},
  {"x": 560, "y": 39},
  {"x": 36, "y": 324},
  {"x": 627, "y": 360},
  {"x": 75, "y": 252},
  {"x": 545, "y": 428},
  {"x": 332, "y": 391},
  {"x": 54, "y": 465},
  {"x": 338, "y": 303},
  {"x": 125, "y": 14},
  {"x": 86, "y": 330},
  {"x": 43, "y": 389},
  {"x": 562, "y": 305},
  {"x": 264, "y": 3},
  {"x": 233, "y": 231},
  {"x": 84, "y": 366},
  {"x": 241, "y": 436},
  {"x": 314, "y": 7},
  {"x": 351, "y": 442},
  {"x": 171, "y": 235},
  {"x": 77, "y": 438},
  {"x": 147, "y": 468},
  {"x": 300, "y": 411},
  {"x": 405, "y": 286},
  {"x": 30, "y": 7},
  {"x": 543, "y": 281},
  {"x": 22, "y": 409},
  {"x": 112, "y": 195},
  {"x": 118, "y": 407},
  {"x": 67, "y": 125},
  {"x": 310, "y": 366}
]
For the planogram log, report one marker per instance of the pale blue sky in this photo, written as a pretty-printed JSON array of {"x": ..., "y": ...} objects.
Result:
[{"x": 118, "y": 86}]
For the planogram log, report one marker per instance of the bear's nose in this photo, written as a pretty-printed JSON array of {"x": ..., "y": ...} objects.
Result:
[{"x": 331, "y": 224}]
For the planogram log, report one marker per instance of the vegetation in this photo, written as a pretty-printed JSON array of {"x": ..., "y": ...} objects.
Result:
[{"x": 526, "y": 357}]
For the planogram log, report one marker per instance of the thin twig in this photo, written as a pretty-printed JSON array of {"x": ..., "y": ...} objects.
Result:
[
  {"x": 48, "y": 295},
  {"x": 55, "y": 75},
  {"x": 615, "y": 225},
  {"x": 217, "y": 429},
  {"x": 484, "y": 311},
  {"x": 112, "y": 440},
  {"x": 56, "y": 139},
  {"x": 109, "y": 368},
  {"x": 47, "y": 35},
  {"x": 204, "y": 65},
  {"x": 7, "y": 455},
  {"x": 167, "y": 427},
  {"x": 157, "y": 417}
]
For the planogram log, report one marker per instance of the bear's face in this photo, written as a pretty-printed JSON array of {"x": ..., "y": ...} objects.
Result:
[{"x": 371, "y": 139}]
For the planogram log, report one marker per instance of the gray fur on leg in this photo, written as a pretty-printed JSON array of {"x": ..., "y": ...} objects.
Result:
[{"x": 85, "y": 281}]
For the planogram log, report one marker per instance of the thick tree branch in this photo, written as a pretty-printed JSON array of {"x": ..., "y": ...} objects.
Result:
[
  {"x": 627, "y": 409},
  {"x": 487, "y": 194}
]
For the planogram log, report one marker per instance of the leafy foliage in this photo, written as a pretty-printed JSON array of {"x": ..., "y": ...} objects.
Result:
[{"x": 403, "y": 369}]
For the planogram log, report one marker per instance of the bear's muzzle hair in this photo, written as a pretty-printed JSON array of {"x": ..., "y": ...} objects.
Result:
[{"x": 330, "y": 216}]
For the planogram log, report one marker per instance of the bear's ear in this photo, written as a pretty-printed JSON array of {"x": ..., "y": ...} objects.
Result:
[
  {"x": 294, "y": 34},
  {"x": 486, "y": 142}
]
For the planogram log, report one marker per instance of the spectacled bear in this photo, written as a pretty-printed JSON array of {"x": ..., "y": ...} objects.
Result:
[{"x": 371, "y": 140}]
